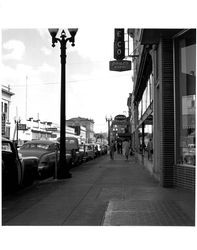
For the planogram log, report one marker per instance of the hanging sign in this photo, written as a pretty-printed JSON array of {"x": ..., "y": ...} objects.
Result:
[
  {"x": 120, "y": 65},
  {"x": 3, "y": 126},
  {"x": 120, "y": 117},
  {"x": 119, "y": 53},
  {"x": 119, "y": 44},
  {"x": 22, "y": 126}
]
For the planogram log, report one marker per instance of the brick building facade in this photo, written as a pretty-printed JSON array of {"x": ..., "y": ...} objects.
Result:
[{"x": 164, "y": 97}]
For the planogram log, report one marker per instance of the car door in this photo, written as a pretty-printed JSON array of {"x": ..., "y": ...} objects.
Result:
[{"x": 52, "y": 157}]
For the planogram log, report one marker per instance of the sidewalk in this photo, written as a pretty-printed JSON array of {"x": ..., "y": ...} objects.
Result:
[
  {"x": 102, "y": 192},
  {"x": 146, "y": 203}
]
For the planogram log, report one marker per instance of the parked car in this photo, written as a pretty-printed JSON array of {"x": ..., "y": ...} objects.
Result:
[
  {"x": 82, "y": 152},
  {"x": 89, "y": 152},
  {"x": 47, "y": 153},
  {"x": 72, "y": 147},
  {"x": 99, "y": 149},
  {"x": 103, "y": 149},
  {"x": 11, "y": 167},
  {"x": 16, "y": 170}
]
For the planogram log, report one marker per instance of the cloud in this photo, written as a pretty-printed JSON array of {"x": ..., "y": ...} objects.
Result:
[
  {"x": 46, "y": 51},
  {"x": 46, "y": 68},
  {"x": 16, "y": 50}
]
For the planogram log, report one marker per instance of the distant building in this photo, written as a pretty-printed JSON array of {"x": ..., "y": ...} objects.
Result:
[
  {"x": 5, "y": 110},
  {"x": 84, "y": 122},
  {"x": 35, "y": 129}
]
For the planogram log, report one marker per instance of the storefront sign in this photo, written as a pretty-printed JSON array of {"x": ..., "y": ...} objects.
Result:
[
  {"x": 3, "y": 124},
  {"x": 21, "y": 126},
  {"x": 120, "y": 65},
  {"x": 119, "y": 44},
  {"x": 120, "y": 117},
  {"x": 51, "y": 129}
]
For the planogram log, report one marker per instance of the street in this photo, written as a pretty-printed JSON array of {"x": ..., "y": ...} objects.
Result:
[{"x": 101, "y": 192}]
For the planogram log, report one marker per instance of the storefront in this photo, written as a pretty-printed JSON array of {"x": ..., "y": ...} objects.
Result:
[
  {"x": 185, "y": 107},
  {"x": 164, "y": 99}
]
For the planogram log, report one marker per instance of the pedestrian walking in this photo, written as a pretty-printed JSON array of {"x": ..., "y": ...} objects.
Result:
[
  {"x": 112, "y": 149},
  {"x": 126, "y": 148},
  {"x": 119, "y": 147},
  {"x": 150, "y": 149}
]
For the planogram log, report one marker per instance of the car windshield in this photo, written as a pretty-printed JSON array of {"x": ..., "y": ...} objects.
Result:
[
  {"x": 71, "y": 143},
  {"x": 6, "y": 147},
  {"x": 35, "y": 146}
]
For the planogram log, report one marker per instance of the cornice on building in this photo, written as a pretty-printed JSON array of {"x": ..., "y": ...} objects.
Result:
[{"x": 6, "y": 90}]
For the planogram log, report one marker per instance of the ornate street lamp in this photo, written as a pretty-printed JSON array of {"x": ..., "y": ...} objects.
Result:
[
  {"x": 109, "y": 119},
  {"x": 63, "y": 169}
]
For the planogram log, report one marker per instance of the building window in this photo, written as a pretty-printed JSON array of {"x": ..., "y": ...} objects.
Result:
[
  {"x": 157, "y": 65},
  {"x": 146, "y": 97},
  {"x": 5, "y": 107},
  {"x": 185, "y": 85}
]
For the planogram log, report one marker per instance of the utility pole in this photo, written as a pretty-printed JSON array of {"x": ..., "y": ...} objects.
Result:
[{"x": 26, "y": 100}]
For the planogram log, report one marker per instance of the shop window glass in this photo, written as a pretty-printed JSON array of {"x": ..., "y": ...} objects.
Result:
[
  {"x": 186, "y": 97},
  {"x": 157, "y": 64},
  {"x": 139, "y": 110}
]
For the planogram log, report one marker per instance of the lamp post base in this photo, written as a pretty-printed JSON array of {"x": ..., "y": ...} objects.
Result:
[
  {"x": 65, "y": 176},
  {"x": 62, "y": 174}
]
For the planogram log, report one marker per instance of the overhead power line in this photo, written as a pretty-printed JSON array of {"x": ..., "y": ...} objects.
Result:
[{"x": 55, "y": 83}]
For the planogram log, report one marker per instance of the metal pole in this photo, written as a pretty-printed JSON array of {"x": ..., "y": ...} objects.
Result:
[
  {"x": 64, "y": 172},
  {"x": 26, "y": 101},
  {"x": 63, "y": 169},
  {"x": 17, "y": 132},
  {"x": 108, "y": 121},
  {"x": 109, "y": 132},
  {"x": 56, "y": 161}
]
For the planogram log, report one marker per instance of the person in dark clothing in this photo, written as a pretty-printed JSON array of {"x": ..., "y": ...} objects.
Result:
[{"x": 112, "y": 149}]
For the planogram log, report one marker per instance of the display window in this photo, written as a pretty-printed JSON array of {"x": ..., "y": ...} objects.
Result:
[{"x": 185, "y": 94}]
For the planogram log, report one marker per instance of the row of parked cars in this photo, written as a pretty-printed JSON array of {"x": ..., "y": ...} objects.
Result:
[
  {"x": 17, "y": 171},
  {"x": 37, "y": 159}
]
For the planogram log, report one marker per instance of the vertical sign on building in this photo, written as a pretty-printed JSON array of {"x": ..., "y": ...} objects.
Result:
[
  {"x": 119, "y": 44},
  {"x": 3, "y": 124},
  {"x": 119, "y": 53}
]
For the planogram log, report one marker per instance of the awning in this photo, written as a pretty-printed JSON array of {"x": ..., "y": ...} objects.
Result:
[
  {"x": 143, "y": 74},
  {"x": 152, "y": 36}
]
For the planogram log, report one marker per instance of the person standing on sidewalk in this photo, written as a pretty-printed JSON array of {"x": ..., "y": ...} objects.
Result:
[
  {"x": 112, "y": 149},
  {"x": 126, "y": 148},
  {"x": 150, "y": 149}
]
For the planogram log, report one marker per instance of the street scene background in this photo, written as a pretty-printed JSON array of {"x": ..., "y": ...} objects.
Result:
[{"x": 92, "y": 91}]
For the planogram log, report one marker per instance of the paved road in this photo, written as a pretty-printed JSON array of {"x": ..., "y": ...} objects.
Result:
[{"x": 101, "y": 192}]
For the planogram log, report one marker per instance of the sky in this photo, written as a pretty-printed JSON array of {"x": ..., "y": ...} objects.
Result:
[{"x": 31, "y": 66}]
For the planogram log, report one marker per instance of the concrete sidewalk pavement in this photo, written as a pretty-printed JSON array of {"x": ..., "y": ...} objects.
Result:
[
  {"x": 146, "y": 203},
  {"x": 102, "y": 192}
]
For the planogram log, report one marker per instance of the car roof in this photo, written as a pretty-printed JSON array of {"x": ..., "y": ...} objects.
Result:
[
  {"x": 41, "y": 141},
  {"x": 5, "y": 139}
]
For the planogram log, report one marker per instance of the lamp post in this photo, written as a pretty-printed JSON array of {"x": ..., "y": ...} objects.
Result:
[
  {"x": 63, "y": 170},
  {"x": 108, "y": 119},
  {"x": 17, "y": 122}
]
